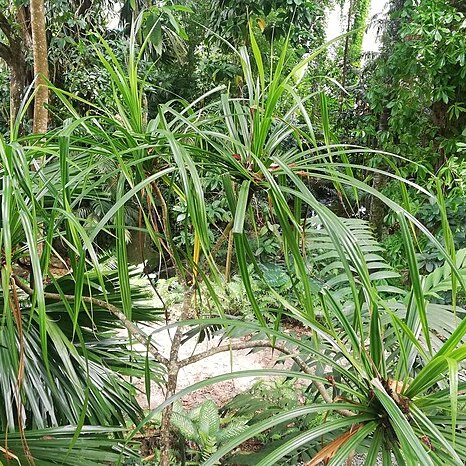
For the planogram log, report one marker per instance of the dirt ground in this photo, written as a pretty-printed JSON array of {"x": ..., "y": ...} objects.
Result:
[{"x": 218, "y": 364}]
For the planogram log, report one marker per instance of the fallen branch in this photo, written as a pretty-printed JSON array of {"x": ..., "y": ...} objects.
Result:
[{"x": 265, "y": 344}]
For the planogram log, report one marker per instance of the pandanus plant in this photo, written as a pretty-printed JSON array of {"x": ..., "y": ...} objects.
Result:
[
  {"x": 393, "y": 370},
  {"x": 63, "y": 360},
  {"x": 373, "y": 359}
]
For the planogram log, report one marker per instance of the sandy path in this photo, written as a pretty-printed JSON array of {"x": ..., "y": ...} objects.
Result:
[{"x": 220, "y": 363}]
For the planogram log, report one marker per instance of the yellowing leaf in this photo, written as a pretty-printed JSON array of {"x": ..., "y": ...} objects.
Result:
[
  {"x": 330, "y": 449},
  {"x": 261, "y": 23}
]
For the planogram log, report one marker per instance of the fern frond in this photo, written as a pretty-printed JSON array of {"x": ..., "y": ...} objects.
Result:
[
  {"x": 208, "y": 445},
  {"x": 233, "y": 428},
  {"x": 209, "y": 419},
  {"x": 185, "y": 426},
  {"x": 328, "y": 266}
]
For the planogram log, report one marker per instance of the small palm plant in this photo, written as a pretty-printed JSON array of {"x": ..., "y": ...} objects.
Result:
[
  {"x": 56, "y": 370},
  {"x": 203, "y": 427},
  {"x": 63, "y": 358},
  {"x": 380, "y": 393}
]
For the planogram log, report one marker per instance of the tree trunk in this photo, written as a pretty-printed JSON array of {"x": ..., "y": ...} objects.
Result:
[
  {"x": 172, "y": 380},
  {"x": 377, "y": 208},
  {"x": 41, "y": 67},
  {"x": 18, "y": 83},
  {"x": 12, "y": 52}
]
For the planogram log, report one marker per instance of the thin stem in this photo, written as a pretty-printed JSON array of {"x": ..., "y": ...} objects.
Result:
[
  {"x": 229, "y": 256},
  {"x": 133, "y": 329},
  {"x": 223, "y": 237},
  {"x": 265, "y": 344},
  {"x": 172, "y": 381}
]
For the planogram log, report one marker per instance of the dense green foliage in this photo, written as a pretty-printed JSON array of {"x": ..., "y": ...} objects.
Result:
[
  {"x": 421, "y": 89},
  {"x": 227, "y": 178}
]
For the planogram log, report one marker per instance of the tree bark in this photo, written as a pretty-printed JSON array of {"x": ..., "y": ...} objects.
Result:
[
  {"x": 12, "y": 52},
  {"x": 18, "y": 83},
  {"x": 41, "y": 67},
  {"x": 172, "y": 381}
]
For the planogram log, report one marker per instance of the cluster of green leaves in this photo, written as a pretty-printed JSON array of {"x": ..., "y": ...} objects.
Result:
[
  {"x": 383, "y": 365},
  {"x": 70, "y": 362},
  {"x": 180, "y": 58},
  {"x": 449, "y": 179},
  {"x": 417, "y": 90},
  {"x": 409, "y": 101},
  {"x": 274, "y": 17},
  {"x": 205, "y": 427},
  {"x": 63, "y": 361},
  {"x": 375, "y": 348},
  {"x": 266, "y": 399}
]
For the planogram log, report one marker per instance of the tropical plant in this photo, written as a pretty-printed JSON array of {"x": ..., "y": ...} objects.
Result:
[
  {"x": 205, "y": 428},
  {"x": 374, "y": 349},
  {"x": 63, "y": 360},
  {"x": 276, "y": 18},
  {"x": 264, "y": 400},
  {"x": 387, "y": 391},
  {"x": 329, "y": 268},
  {"x": 47, "y": 447},
  {"x": 409, "y": 78},
  {"x": 375, "y": 360}
]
